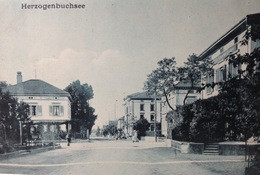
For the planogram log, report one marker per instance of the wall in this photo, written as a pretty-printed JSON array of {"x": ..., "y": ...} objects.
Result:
[{"x": 45, "y": 102}]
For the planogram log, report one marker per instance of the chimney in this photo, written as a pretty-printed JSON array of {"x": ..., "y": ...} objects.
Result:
[{"x": 19, "y": 77}]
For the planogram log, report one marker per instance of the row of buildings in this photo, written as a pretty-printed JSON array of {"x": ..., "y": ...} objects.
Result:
[{"x": 153, "y": 108}]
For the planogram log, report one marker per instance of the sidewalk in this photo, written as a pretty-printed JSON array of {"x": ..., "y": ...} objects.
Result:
[
  {"x": 124, "y": 144},
  {"x": 27, "y": 152}
]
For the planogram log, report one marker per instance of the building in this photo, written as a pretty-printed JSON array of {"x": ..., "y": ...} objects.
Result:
[
  {"x": 176, "y": 99},
  {"x": 219, "y": 51},
  {"x": 142, "y": 105},
  {"x": 50, "y": 109}
]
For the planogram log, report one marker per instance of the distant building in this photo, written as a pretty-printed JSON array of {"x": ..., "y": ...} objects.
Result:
[
  {"x": 176, "y": 99},
  {"x": 121, "y": 123},
  {"x": 228, "y": 44},
  {"x": 142, "y": 105},
  {"x": 50, "y": 108}
]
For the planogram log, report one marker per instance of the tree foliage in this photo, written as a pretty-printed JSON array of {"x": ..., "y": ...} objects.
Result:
[
  {"x": 193, "y": 70},
  {"x": 141, "y": 125},
  {"x": 11, "y": 112},
  {"x": 163, "y": 79},
  {"x": 110, "y": 129},
  {"x": 82, "y": 113}
]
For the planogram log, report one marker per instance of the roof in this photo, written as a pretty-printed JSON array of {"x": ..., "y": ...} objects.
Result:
[
  {"x": 231, "y": 34},
  {"x": 186, "y": 85},
  {"x": 142, "y": 96},
  {"x": 35, "y": 87}
]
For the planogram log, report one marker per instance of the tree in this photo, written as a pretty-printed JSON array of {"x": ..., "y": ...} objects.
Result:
[
  {"x": 141, "y": 125},
  {"x": 82, "y": 114},
  {"x": 193, "y": 70},
  {"x": 11, "y": 112},
  {"x": 98, "y": 132},
  {"x": 163, "y": 79},
  {"x": 110, "y": 129}
]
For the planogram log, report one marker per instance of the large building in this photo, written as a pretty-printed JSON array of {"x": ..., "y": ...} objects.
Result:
[
  {"x": 226, "y": 45},
  {"x": 142, "y": 105},
  {"x": 50, "y": 108}
]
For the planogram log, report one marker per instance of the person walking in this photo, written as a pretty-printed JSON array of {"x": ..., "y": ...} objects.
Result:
[{"x": 68, "y": 138}]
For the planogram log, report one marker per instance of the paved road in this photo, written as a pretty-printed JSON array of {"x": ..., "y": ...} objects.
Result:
[{"x": 121, "y": 158}]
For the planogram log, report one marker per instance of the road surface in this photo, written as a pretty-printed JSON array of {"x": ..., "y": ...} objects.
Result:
[{"x": 99, "y": 157}]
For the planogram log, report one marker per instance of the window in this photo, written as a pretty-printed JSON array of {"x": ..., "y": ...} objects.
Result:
[
  {"x": 35, "y": 110},
  {"x": 152, "y": 118},
  {"x": 141, "y": 116},
  {"x": 56, "y": 110},
  {"x": 233, "y": 70},
  {"x": 141, "y": 107},
  {"x": 221, "y": 74},
  {"x": 152, "y": 107},
  {"x": 209, "y": 81}
]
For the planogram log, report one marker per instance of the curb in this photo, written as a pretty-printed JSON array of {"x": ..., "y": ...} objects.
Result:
[{"x": 27, "y": 152}]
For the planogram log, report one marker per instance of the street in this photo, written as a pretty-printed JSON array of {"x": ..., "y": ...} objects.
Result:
[{"x": 121, "y": 157}]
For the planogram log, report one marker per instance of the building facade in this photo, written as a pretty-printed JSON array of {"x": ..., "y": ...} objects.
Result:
[
  {"x": 141, "y": 105},
  {"x": 220, "y": 50},
  {"x": 175, "y": 99},
  {"x": 50, "y": 109}
]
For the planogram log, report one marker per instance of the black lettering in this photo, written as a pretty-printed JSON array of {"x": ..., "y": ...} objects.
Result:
[
  {"x": 83, "y": 6},
  {"x": 45, "y": 7},
  {"x": 24, "y": 6},
  {"x": 71, "y": 6}
]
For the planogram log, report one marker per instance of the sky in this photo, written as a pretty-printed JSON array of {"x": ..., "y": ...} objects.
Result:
[{"x": 111, "y": 45}]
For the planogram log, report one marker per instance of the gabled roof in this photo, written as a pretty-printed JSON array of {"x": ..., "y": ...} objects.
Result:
[
  {"x": 35, "y": 87},
  {"x": 141, "y": 96}
]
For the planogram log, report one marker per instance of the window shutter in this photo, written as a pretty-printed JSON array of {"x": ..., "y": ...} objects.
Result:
[
  {"x": 61, "y": 110},
  {"x": 39, "y": 110},
  {"x": 30, "y": 110},
  {"x": 51, "y": 110}
]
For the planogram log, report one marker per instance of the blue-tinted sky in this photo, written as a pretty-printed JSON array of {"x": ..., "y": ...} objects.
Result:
[{"x": 110, "y": 44}]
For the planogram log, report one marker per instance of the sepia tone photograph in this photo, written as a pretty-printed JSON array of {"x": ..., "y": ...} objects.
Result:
[{"x": 129, "y": 87}]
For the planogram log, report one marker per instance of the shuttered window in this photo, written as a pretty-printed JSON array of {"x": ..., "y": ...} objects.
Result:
[
  {"x": 35, "y": 110},
  {"x": 56, "y": 110}
]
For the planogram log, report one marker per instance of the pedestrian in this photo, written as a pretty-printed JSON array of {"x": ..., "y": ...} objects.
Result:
[
  {"x": 135, "y": 138},
  {"x": 68, "y": 138}
]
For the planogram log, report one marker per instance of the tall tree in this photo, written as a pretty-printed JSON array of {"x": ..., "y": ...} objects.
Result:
[
  {"x": 82, "y": 113},
  {"x": 163, "y": 79},
  {"x": 193, "y": 70},
  {"x": 11, "y": 112}
]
